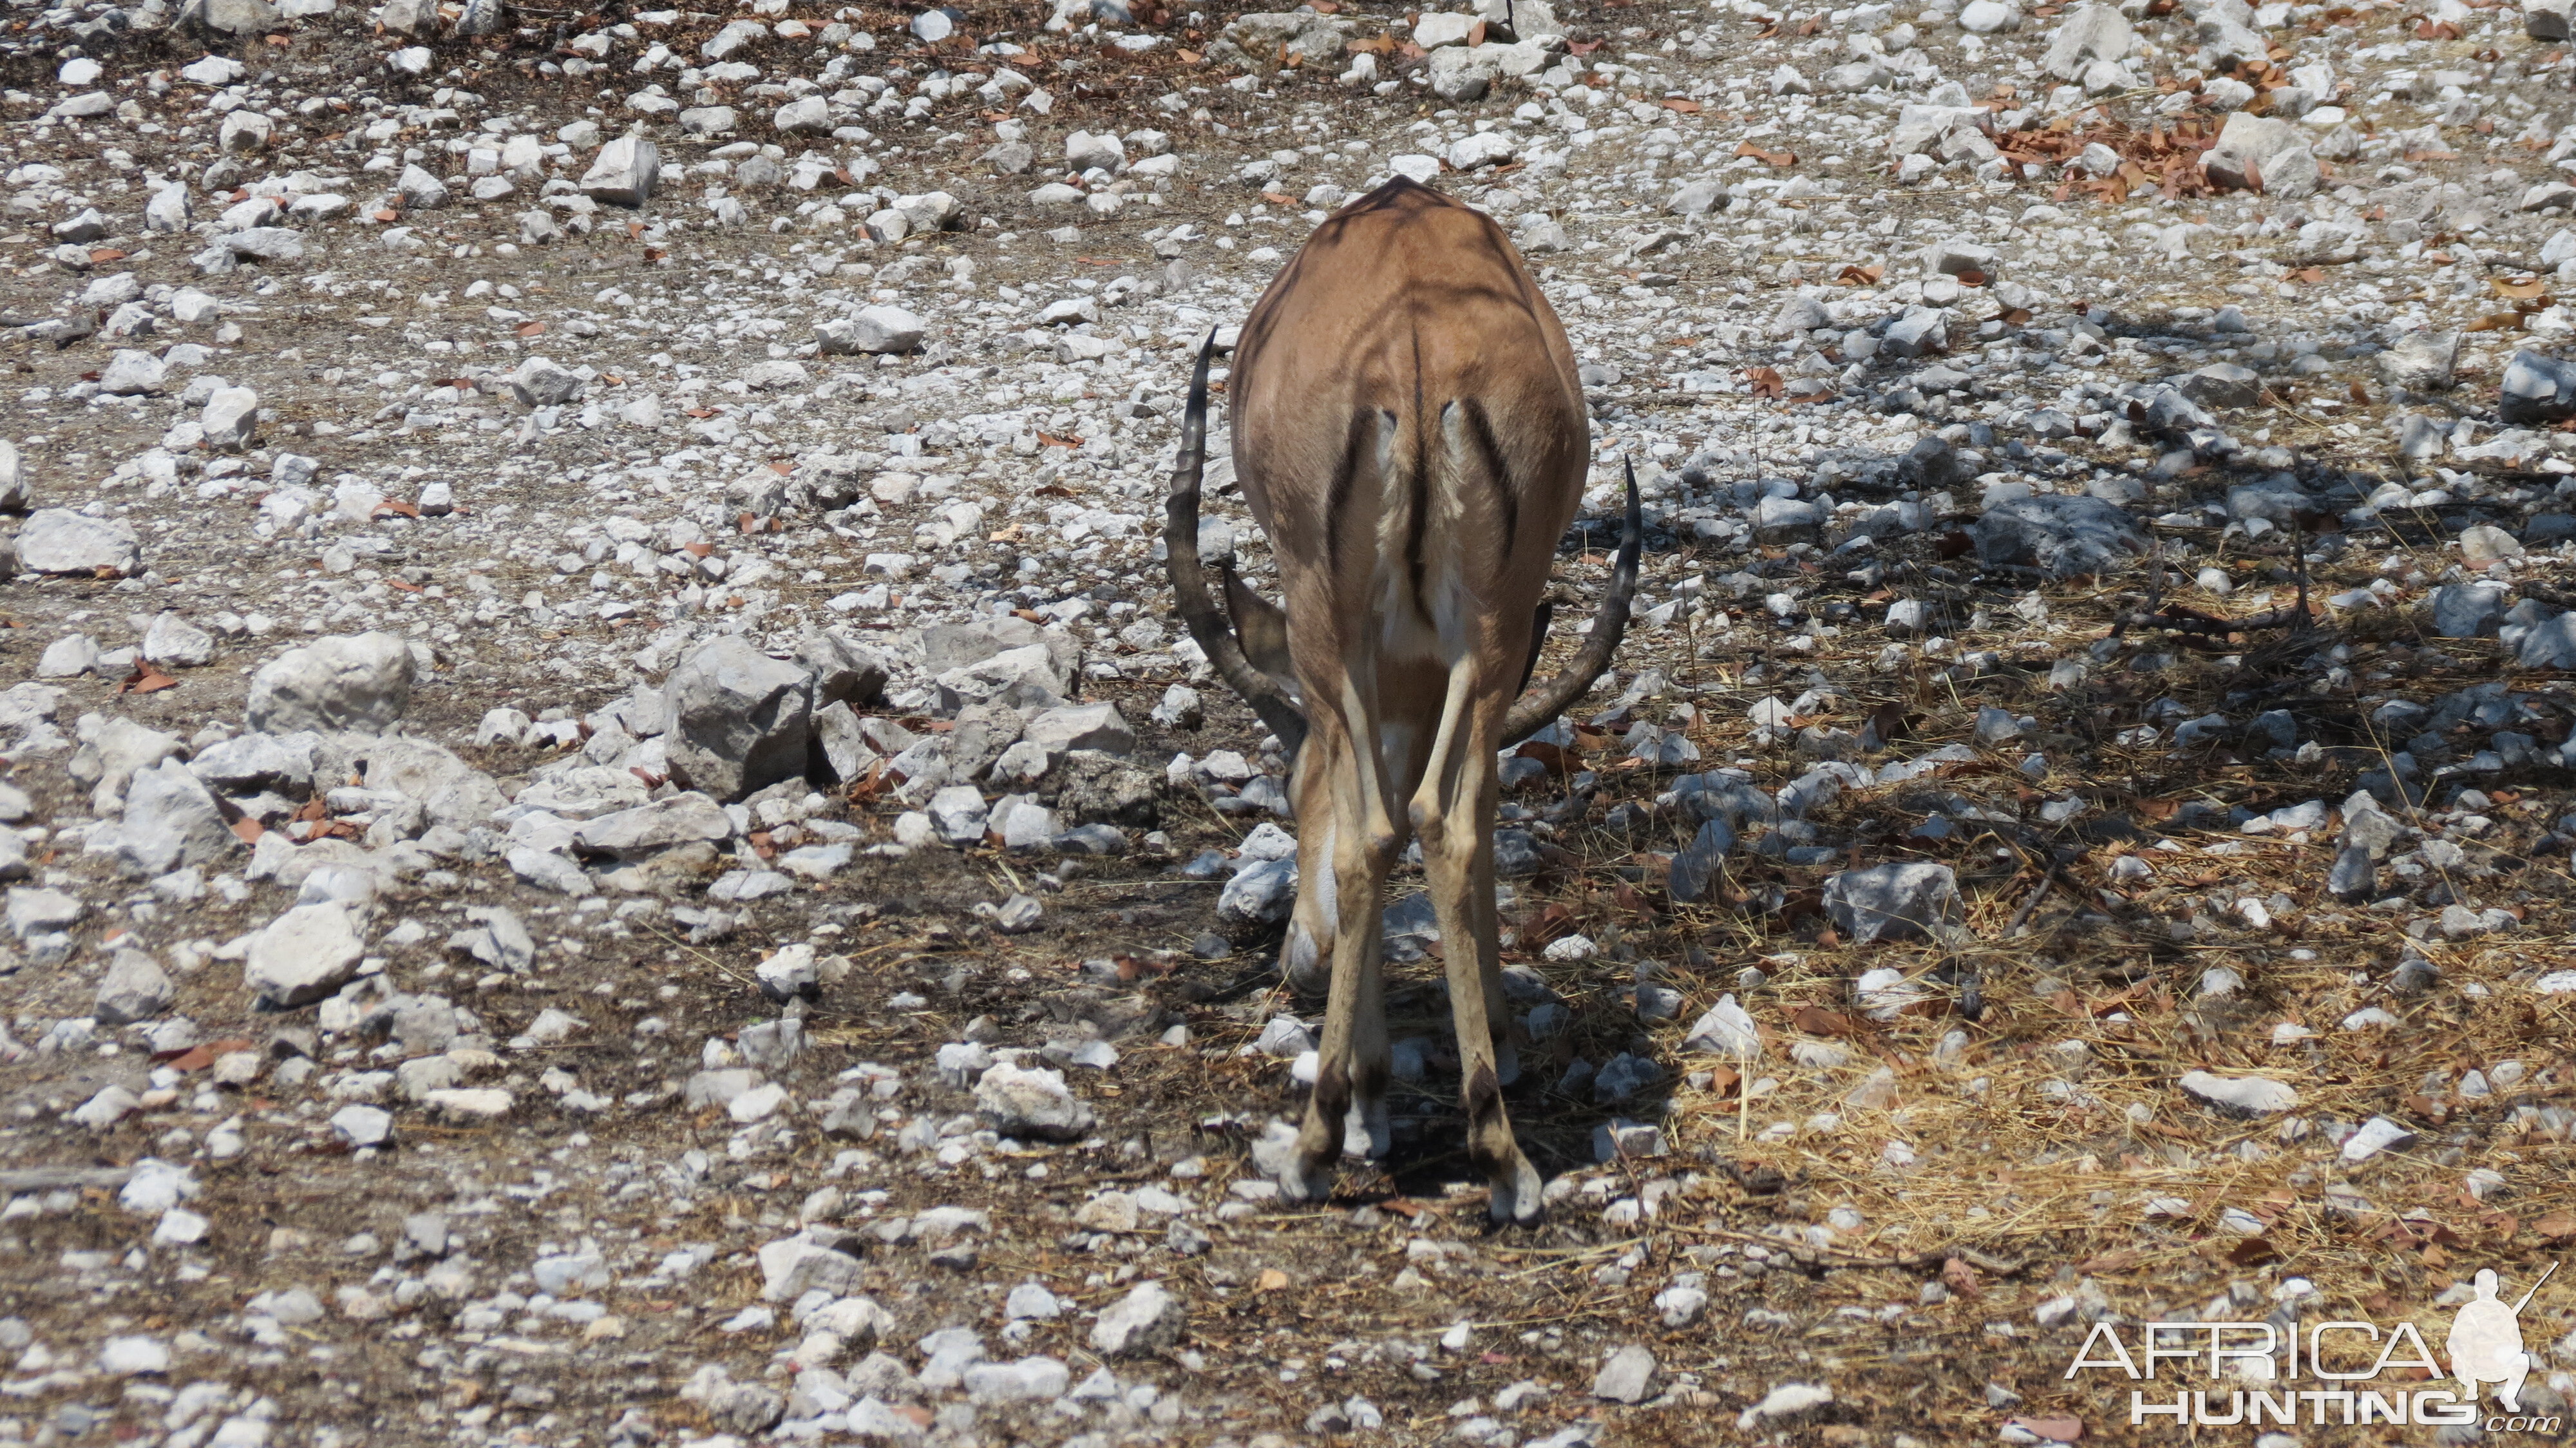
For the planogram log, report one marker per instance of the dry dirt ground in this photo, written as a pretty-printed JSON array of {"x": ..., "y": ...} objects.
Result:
[{"x": 1942, "y": 1178}]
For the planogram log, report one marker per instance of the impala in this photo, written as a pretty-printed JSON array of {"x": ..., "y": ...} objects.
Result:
[{"x": 1410, "y": 434}]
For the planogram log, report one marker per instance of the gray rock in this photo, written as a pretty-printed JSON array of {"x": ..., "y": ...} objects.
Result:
[
  {"x": 2376, "y": 1135},
  {"x": 2550, "y": 644},
  {"x": 177, "y": 643},
  {"x": 1784, "y": 520},
  {"x": 1259, "y": 894},
  {"x": 537, "y": 382},
  {"x": 950, "y": 646},
  {"x": 1032, "y": 676},
  {"x": 1463, "y": 73},
  {"x": 2485, "y": 543},
  {"x": 2089, "y": 33},
  {"x": 624, "y": 173},
  {"x": 58, "y": 540},
  {"x": 2241, "y": 1095},
  {"x": 2262, "y": 153},
  {"x": 249, "y": 763},
  {"x": 1627, "y": 1375},
  {"x": 449, "y": 791},
  {"x": 871, "y": 330},
  {"x": 844, "y": 670},
  {"x": 134, "y": 989},
  {"x": 1062, "y": 730},
  {"x": 231, "y": 419},
  {"x": 1695, "y": 869},
  {"x": 806, "y": 115},
  {"x": 1031, "y": 1103},
  {"x": 1726, "y": 1029},
  {"x": 38, "y": 912},
  {"x": 549, "y": 871},
  {"x": 2060, "y": 533},
  {"x": 982, "y": 734},
  {"x": 363, "y": 1125},
  {"x": 739, "y": 719},
  {"x": 1083, "y": 150},
  {"x": 2466, "y": 610},
  {"x": 843, "y": 747},
  {"x": 2223, "y": 384},
  {"x": 420, "y": 190},
  {"x": 2354, "y": 877},
  {"x": 1931, "y": 463},
  {"x": 1147, "y": 1320},
  {"x": 132, "y": 374},
  {"x": 1894, "y": 901},
  {"x": 359, "y": 682},
  {"x": 68, "y": 657},
  {"x": 2537, "y": 388},
  {"x": 13, "y": 479},
  {"x": 650, "y": 828},
  {"x": 1796, "y": 315},
  {"x": 1916, "y": 334},
  {"x": 793, "y": 1266},
  {"x": 1029, "y": 1380},
  {"x": 233, "y": 17},
  {"x": 170, "y": 820},
  {"x": 958, "y": 815},
  {"x": 2421, "y": 361},
  {"x": 266, "y": 243},
  {"x": 303, "y": 955}
]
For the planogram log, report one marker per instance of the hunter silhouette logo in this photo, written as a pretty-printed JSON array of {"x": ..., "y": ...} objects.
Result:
[{"x": 2486, "y": 1341}]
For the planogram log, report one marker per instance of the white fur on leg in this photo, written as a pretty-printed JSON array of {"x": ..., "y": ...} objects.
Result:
[
  {"x": 1301, "y": 959},
  {"x": 1366, "y": 1132}
]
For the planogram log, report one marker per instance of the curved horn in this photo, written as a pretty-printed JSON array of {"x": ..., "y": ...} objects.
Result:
[
  {"x": 1190, "y": 595},
  {"x": 1535, "y": 711}
]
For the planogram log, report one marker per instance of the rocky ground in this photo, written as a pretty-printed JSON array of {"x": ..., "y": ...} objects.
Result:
[{"x": 611, "y": 838}]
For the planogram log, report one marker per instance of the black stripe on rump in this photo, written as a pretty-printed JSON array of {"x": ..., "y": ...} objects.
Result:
[{"x": 1480, "y": 430}]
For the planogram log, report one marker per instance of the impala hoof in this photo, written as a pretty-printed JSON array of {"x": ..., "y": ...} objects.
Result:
[
  {"x": 1301, "y": 1178},
  {"x": 1518, "y": 1194},
  {"x": 1300, "y": 1182}
]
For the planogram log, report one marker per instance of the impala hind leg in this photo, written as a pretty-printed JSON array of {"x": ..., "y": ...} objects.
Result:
[
  {"x": 1306, "y": 956},
  {"x": 1347, "y": 1111},
  {"x": 1453, "y": 815}
]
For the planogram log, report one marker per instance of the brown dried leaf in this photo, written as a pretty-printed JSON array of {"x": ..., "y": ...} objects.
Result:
[{"x": 1817, "y": 1021}]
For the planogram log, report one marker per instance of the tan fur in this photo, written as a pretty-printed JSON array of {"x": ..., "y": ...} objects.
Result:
[{"x": 1409, "y": 431}]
